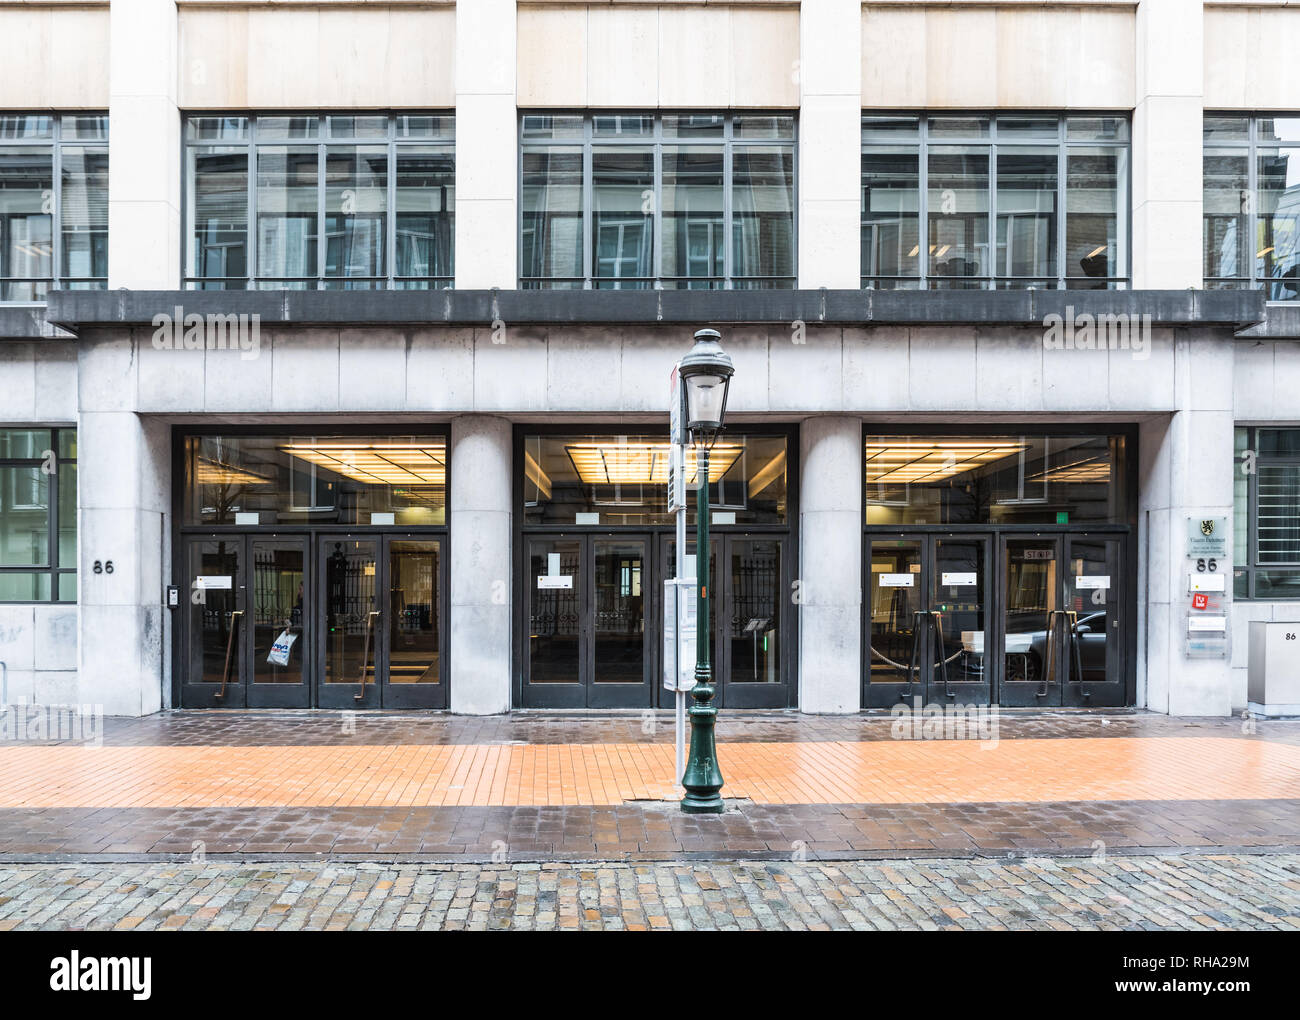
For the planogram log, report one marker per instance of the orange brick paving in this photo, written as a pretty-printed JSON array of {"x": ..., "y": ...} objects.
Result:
[{"x": 766, "y": 772}]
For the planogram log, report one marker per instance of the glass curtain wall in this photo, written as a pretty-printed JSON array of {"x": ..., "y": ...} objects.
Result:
[
  {"x": 691, "y": 201},
  {"x": 53, "y": 204},
  {"x": 1251, "y": 225},
  {"x": 355, "y": 202},
  {"x": 1005, "y": 202}
]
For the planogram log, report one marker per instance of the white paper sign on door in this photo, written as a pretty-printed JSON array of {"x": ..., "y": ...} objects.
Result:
[
  {"x": 1091, "y": 581},
  {"x": 896, "y": 580},
  {"x": 211, "y": 582},
  {"x": 555, "y": 581},
  {"x": 959, "y": 580}
]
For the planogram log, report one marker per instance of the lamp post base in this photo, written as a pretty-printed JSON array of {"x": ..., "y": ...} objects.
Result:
[{"x": 703, "y": 778}]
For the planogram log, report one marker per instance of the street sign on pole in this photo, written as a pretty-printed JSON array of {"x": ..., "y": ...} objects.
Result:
[
  {"x": 678, "y": 439},
  {"x": 679, "y": 633}
]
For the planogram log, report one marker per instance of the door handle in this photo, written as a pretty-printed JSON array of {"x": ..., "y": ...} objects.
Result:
[
  {"x": 1074, "y": 663},
  {"x": 914, "y": 663},
  {"x": 365, "y": 655},
  {"x": 230, "y": 647},
  {"x": 1049, "y": 658},
  {"x": 937, "y": 620}
]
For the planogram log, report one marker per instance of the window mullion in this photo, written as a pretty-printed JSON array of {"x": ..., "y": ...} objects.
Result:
[
  {"x": 322, "y": 241},
  {"x": 390, "y": 230},
  {"x": 728, "y": 231},
  {"x": 588, "y": 241},
  {"x": 56, "y": 215},
  {"x": 250, "y": 270},
  {"x": 657, "y": 225},
  {"x": 1062, "y": 191},
  {"x": 991, "y": 228},
  {"x": 923, "y": 207}
]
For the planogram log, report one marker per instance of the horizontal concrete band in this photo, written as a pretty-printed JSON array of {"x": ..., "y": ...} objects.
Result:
[{"x": 77, "y": 310}]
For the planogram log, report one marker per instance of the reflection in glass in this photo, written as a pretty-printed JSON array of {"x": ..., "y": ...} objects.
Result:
[
  {"x": 621, "y": 578},
  {"x": 218, "y": 211},
  {"x": 756, "y": 612},
  {"x": 551, "y": 243},
  {"x": 213, "y": 638},
  {"x": 26, "y": 222},
  {"x": 1277, "y": 239},
  {"x": 315, "y": 479},
  {"x": 622, "y": 479},
  {"x": 279, "y": 636},
  {"x": 1027, "y": 220},
  {"x": 286, "y": 214},
  {"x": 890, "y": 215},
  {"x": 554, "y": 611},
  {"x": 415, "y": 633},
  {"x": 1031, "y": 598},
  {"x": 84, "y": 213},
  {"x": 894, "y": 602},
  {"x": 958, "y": 230},
  {"x": 622, "y": 224},
  {"x": 693, "y": 237},
  {"x": 24, "y": 516},
  {"x": 350, "y": 612},
  {"x": 356, "y": 211},
  {"x": 1094, "y": 579},
  {"x": 426, "y": 213},
  {"x": 959, "y": 595},
  {"x": 763, "y": 215},
  {"x": 995, "y": 479},
  {"x": 1096, "y": 220}
]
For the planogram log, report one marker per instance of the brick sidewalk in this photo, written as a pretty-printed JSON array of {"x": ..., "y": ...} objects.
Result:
[
  {"x": 438, "y": 787},
  {"x": 1151, "y": 893}
]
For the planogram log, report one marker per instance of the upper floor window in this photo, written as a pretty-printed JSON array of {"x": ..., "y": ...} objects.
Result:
[
  {"x": 1055, "y": 190},
  {"x": 262, "y": 192},
  {"x": 1252, "y": 203},
  {"x": 38, "y": 515},
  {"x": 697, "y": 201},
  {"x": 53, "y": 204}
]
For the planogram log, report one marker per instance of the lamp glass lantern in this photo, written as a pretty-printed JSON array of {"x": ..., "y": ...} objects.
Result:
[{"x": 706, "y": 374}]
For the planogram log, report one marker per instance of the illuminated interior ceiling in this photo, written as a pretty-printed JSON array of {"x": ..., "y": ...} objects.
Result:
[
  {"x": 411, "y": 465},
  {"x": 213, "y": 472},
  {"x": 641, "y": 463},
  {"x": 914, "y": 462}
]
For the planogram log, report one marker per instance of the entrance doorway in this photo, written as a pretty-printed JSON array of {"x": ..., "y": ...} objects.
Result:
[
  {"x": 313, "y": 621},
  {"x": 593, "y": 614},
  {"x": 996, "y": 617}
]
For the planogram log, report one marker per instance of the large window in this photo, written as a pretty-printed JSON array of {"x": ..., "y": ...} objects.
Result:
[
  {"x": 602, "y": 479},
  {"x": 996, "y": 479},
  {"x": 262, "y": 193},
  {"x": 38, "y": 515},
  {"x": 1252, "y": 204},
  {"x": 657, "y": 201},
  {"x": 1007, "y": 202},
  {"x": 367, "y": 480},
  {"x": 53, "y": 204},
  {"x": 1266, "y": 514}
]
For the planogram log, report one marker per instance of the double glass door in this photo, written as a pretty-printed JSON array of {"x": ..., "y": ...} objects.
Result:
[
  {"x": 302, "y": 621},
  {"x": 996, "y": 618},
  {"x": 927, "y": 627},
  {"x": 593, "y": 620}
]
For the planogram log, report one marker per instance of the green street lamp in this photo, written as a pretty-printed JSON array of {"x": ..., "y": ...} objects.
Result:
[{"x": 706, "y": 375}]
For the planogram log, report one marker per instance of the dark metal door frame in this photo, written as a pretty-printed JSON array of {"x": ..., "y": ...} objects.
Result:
[
  {"x": 414, "y": 695},
  {"x": 364, "y": 691},
  {"x": 231, "y": 690},
  {"x": 282, "y": 695},
  {"x": 1032, "y": 661}
]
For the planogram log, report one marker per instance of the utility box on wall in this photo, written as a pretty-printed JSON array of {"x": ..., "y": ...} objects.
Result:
[{"x": 1273, "y": 675}]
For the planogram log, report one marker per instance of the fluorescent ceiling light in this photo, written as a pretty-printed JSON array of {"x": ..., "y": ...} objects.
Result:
[
  {"x": 377, "y": 463},
  {"x": 1095, "y": 252},
  {"x": 212, "y": 472},
  {"x": 914, "y": 461},
  {"x": 641, "y": 463}
]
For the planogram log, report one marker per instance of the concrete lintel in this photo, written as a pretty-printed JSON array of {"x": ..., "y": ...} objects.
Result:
[{"x": 78, "y": 309}]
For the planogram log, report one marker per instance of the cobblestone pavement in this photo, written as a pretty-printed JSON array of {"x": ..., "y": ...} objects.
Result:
[{"x": 1146, "y": 892}]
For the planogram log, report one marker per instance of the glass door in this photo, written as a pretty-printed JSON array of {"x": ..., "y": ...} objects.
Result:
[
  {"x": 751, "y": 657},
  {"x": 898, "y": 633},
  {"x": 279, "y": 624},
  {"x": 554, "y": 674},
  {"x": 216, "y": 632},
  {"x": 620, "y": 663},
  {"x": 1033, "y": 622},
  {"x": 957, "y": 590},
  {"x": 414, "y": 628},
  {"x": 1095, "y": 645},
  {"x": 351, "y": 622}
]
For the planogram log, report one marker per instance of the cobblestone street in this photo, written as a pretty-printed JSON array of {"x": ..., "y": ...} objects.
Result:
[{"x": 1154, "y": 892}]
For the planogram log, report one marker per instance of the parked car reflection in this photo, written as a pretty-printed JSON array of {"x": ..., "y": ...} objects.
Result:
[{"x": 1026, "y": 647}]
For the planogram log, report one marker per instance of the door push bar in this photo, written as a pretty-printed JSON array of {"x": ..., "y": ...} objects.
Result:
[
  {"x": 1074, "y": 662},
  {"x": 914, "y": 663},
  {"x": 230, "y": 647},
  {"x": 365, "y": 655}
]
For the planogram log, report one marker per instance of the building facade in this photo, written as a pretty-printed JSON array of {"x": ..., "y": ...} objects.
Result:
[{"x": 335, "y": 344}]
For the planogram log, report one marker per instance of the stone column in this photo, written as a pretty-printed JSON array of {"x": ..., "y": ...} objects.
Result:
[
  {"x": 481, "y": 607},
  {"x": 124, "y": 498},
  {"x": 487, "y": 149},
  {"x": 830, "y": 564},
  {"x": 1167, "y": 145},
  {"x": 144, "y": 149},
  {"x": 1185, "y": 471},
  {"x": 830, "y": 143}
]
